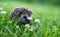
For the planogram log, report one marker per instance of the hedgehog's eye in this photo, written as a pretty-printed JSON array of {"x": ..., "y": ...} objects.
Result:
[{"x": 24, "y": 17}]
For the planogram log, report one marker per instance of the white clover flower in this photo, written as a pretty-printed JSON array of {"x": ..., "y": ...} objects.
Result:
[
  {"x": 1, "y": 8},
  {"x": 27, "y": 26},
  {"x": 30, "y": 29},
  {"x": 5, "y": 4},
  {"x": 3, "y": 12},
  {"x": 17, "y": 26},
  {"x": 37, "y": 21}
]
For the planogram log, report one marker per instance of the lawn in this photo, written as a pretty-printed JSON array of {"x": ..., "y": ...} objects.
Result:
[{"x": 45, "y": 23}]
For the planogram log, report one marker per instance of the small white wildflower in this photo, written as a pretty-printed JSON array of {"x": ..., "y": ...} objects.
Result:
[
  {"x": 27, "y": 26},
  {"x": 5, "y": 4},
  {"x": 37, "y": 21},
  {"x": 17, "y": 26},
  {"x": 1, "y": 8},
  {"x": 3, "y": 12},
  {"x": 30, "y": 29}
]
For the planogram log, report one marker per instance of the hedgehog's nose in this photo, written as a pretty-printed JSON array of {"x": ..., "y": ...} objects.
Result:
[{"x": 28, "y": 21}]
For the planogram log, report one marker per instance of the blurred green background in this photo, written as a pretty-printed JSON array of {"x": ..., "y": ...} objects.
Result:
[{"x": 54, "y": 2}]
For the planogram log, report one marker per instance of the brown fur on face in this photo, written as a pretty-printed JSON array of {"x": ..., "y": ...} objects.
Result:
[{"x": 22, "y": 14}]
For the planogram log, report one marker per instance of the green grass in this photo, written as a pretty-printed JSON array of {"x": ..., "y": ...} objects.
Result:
[{"x": 48, "y": 15}]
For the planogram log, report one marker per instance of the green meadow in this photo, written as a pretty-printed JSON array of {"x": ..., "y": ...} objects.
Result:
[{"x": 45, "y": 22}]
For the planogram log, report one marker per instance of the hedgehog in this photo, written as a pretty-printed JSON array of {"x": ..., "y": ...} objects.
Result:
[{"x": 22, "y": 15}]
